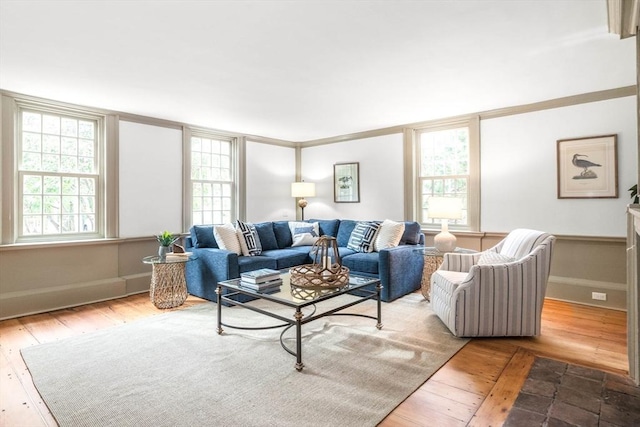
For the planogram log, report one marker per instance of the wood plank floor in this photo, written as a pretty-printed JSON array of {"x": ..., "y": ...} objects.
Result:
[{"x": 477, "y": 387}]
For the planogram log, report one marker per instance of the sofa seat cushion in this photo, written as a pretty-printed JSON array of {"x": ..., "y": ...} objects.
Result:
[
  {"x": 345, "y": 252},
  {"x": 248, "y": 263},
  {"x": 286, "y": 258},
  {"x": 362, "y": 262}
]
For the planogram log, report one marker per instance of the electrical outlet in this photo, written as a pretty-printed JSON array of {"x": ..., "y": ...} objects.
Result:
[{"x": 601, "y": 296}]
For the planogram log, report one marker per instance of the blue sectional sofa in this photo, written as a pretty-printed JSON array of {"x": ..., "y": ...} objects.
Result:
[{"x": 398, "y": 268}]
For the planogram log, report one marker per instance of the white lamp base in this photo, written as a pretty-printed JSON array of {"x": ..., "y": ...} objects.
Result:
[{"x": 445, "y": 241}]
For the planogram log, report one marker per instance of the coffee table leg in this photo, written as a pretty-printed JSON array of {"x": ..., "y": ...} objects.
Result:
[
  {"x": 378, "y": 289},
  {"x": 219, "y": 294},
  {"x": 298, "y": 316}
]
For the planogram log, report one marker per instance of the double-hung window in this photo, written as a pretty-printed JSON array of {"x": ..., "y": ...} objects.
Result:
[
  {"x": 448, "y": 166},
  {"x": 213, "y": 196},
  {"x": 59, "y": 174}
]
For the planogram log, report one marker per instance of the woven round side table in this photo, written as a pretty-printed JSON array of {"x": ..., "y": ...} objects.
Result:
[{"x": 168, "y": 283}]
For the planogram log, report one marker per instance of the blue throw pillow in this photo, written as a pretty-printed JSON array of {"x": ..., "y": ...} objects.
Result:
[{"x": 202, "y": 236}]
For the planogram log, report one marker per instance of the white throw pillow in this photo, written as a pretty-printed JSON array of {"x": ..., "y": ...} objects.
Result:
[
  {"x": 389, "y": 235},
  {"x": 493, "y": 258},
  {"x": 227, "y": 238},
  {"x": 304, "y": 233}
]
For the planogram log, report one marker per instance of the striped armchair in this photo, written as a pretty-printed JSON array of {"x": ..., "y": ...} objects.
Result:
[{"x": 498, "y": 292}]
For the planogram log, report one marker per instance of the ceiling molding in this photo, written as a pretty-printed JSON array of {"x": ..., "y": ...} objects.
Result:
[{"x": 623, "y": 17}]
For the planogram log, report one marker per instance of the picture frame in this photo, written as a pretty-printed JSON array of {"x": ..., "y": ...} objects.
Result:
[
  {"x": 346, "y": 182},
  {"x": 588, "y": 167}
]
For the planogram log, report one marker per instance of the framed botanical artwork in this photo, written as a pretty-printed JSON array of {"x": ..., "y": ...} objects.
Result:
[
  {"x": 587, "y": 167},
  {"x": 346, "y": 183}
]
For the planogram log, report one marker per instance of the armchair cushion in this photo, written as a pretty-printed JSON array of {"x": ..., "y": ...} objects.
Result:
[{"x": 491, "y": 258}]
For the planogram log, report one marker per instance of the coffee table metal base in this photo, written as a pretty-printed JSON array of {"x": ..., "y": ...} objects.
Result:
[{"x": 299, "y": 318}]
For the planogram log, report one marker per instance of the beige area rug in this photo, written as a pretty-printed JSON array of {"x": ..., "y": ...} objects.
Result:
[{"x": 174, "y": 370}]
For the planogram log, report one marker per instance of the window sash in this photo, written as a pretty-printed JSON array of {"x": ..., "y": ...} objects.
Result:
[
  {"x": 461, "y": 182},
  {"x": 212, "y": 179},
  {"x": 66, "y": 149}
]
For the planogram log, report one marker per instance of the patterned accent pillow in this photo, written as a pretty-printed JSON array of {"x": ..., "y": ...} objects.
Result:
[
  {"x": 304, "y": 233},
  {"x": 389, "y": 235},
  {"x": 227, "y": 238},
  {"x": 363, "y": 236},
  {"x": 248, "y": 238},
  {"x": 493, "y": 258}
]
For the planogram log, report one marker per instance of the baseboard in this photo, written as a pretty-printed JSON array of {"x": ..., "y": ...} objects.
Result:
[
  {"x": 35, "y": 301},
  {"x": 579, "y": 291}
]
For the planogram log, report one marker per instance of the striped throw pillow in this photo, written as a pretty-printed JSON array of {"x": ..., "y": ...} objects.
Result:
[
  {"x": 363, "y": 236},
  {"x": 248, "y": 238}
]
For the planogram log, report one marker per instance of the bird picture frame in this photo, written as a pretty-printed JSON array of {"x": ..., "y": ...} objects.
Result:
[{"x": 588, "y": 167}]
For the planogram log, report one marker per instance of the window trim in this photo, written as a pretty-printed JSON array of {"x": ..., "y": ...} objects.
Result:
[
  {"x": 11, "y": 106},
  {"x": 188, "y": 133},
  {"x": 473, "y": 195}
]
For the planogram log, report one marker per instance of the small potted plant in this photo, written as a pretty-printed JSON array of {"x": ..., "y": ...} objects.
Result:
[{"x": 165, "y": 239}]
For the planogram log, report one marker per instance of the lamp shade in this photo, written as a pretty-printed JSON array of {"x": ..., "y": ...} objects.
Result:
[
  {"x": 444, "y": 208},
  {"x": 303, "y": 189}
]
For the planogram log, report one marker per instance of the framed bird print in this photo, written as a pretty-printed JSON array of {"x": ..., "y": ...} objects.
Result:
[{"x": 587, "y": 167}]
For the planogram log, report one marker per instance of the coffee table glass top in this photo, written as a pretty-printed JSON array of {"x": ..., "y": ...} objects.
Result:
[{"x": 286, "y": 296}]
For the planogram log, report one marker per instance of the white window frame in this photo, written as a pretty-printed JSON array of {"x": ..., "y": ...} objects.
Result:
[
  {"x": 189, "y": 134},
  {"x": 473, "y": 178},
  {"x": 14, "y": 233}
]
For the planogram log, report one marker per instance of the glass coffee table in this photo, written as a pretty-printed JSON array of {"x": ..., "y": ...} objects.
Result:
[{"x": 229, "y": 290}]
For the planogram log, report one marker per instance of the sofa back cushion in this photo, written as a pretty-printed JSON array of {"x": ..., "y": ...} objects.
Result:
[
  {"x": 328, "y": 227},
  {"x": 202, "y": 236},
  {"x": 411, "y": 235},
  {"x": 267, "y": 236},
  {"x": 344, "y": 231},
  {"x": 283, "y": 234}
]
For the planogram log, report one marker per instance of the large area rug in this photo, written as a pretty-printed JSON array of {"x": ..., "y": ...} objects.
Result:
[{"x": 174, "y": 370}]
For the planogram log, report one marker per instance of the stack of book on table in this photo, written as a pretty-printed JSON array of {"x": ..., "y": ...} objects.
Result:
[{"x": 264, "y": 280}]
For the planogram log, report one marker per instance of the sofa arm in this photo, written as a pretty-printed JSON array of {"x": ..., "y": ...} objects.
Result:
[
  {"x": 459, "y": 261},
  {"x": 400, "y": 271},
  {"x": 208, "y": 267}
]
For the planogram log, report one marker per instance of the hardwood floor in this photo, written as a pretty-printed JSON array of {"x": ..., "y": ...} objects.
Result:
[{"x": 477, "y": 387}]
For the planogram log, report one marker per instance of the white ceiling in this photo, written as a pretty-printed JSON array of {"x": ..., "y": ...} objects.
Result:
[{"x": 304, "y": 70}]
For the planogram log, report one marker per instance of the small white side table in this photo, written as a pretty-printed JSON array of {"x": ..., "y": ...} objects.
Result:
[{"x": 168, "y": 282}]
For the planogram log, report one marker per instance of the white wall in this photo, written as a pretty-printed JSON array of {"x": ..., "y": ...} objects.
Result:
[
  {"x": 519, "y": 173},
  {"x": 381, "y": 178},
  {"x": 270, "y": 170},
  {"x": 150, "y": 180}
]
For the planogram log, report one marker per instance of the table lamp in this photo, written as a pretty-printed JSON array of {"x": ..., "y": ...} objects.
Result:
[
  {"x": 445, "y": 208},
  {"x": 302, "y": 190}
]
